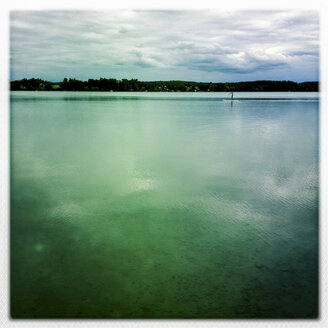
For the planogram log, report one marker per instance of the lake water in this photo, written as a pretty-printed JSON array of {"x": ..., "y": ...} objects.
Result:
[{"x": 164, "y": 205}]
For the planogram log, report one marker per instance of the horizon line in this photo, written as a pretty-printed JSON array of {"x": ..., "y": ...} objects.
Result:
[{"x": 120, "y": 79}]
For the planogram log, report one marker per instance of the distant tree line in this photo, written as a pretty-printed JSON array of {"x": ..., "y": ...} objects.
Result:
[{"x": 103, "y": 84}]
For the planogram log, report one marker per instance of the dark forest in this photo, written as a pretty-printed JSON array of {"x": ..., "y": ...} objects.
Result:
[{"x": 104, "y": 84}]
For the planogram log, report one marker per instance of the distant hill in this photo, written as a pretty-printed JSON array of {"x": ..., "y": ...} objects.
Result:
[{"x": 103, "y": 84}]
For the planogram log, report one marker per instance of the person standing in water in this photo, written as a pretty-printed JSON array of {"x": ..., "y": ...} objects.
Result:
[{"x": 231, "y": 99}]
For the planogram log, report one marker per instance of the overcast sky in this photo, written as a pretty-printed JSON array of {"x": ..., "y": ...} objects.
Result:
[{"x": 165, "y": 45}]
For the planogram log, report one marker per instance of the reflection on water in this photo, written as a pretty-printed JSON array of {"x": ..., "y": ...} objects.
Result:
[{"x": 184, "y": 207}]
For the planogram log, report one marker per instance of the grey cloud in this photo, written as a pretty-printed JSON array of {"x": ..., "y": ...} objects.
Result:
[
  {"x": 210, "y": 45},
  {"x": 301, "y": 53}
]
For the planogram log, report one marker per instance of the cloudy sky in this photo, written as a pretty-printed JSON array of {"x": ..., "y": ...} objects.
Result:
[{"x": 165, "y": 45}]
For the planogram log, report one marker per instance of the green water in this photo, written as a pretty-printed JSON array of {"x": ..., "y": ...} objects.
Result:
[{"x": 164, "y": 205}]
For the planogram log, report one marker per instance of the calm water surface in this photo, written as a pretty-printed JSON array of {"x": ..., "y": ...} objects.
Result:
[{"x": 155, "y": 205}]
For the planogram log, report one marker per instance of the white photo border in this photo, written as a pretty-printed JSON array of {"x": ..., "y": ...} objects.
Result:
[{"x": 7, "y": 6}]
